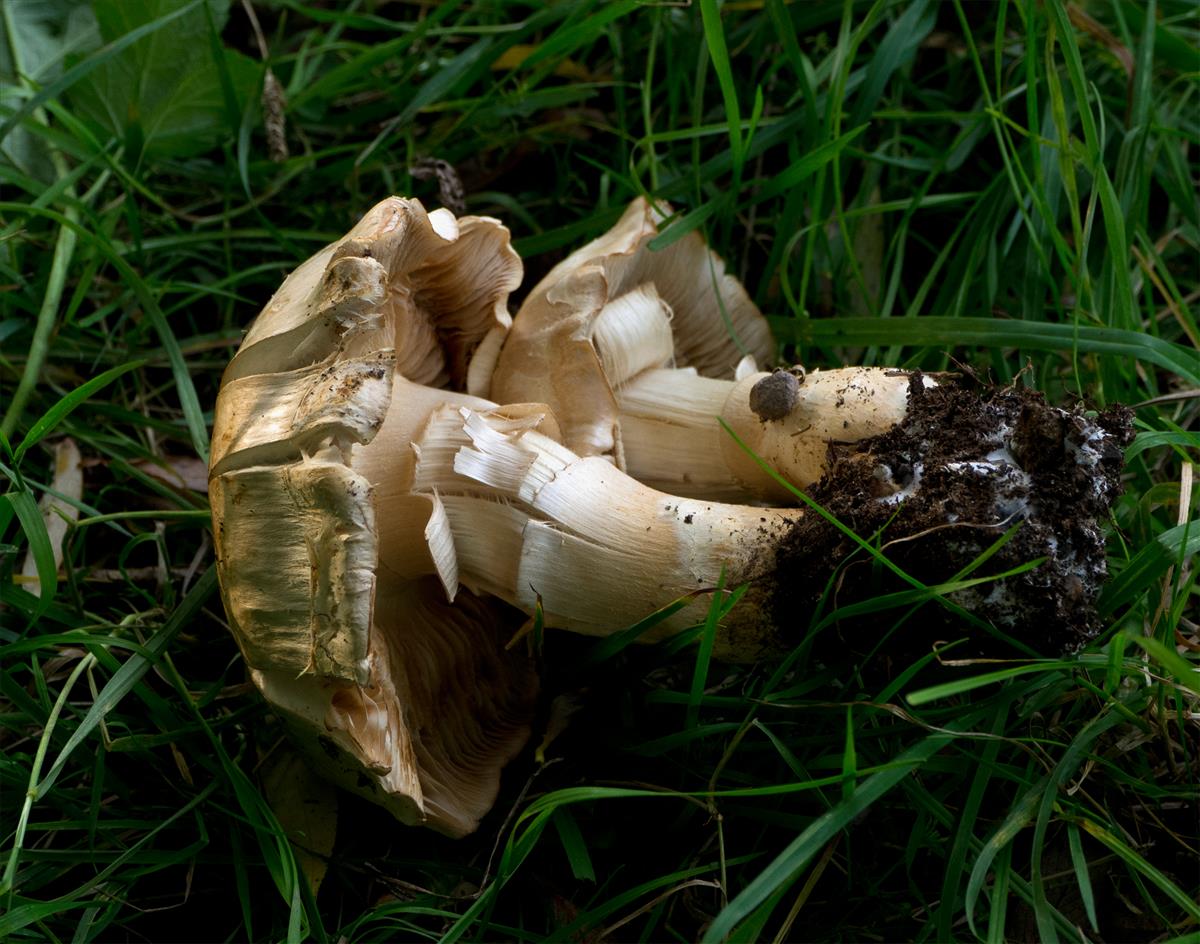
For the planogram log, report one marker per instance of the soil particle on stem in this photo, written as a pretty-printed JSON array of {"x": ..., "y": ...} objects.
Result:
[
  {"x": 776, "y": 395},
  {"x": 939, "y": 490}
]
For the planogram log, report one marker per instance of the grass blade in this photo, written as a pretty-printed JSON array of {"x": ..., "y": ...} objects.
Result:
[
  {"x": 46, "y": 423},
  {"x": 1135, "y": 861},
  {"x": 1148, "y": 564},
  {"x": 8, "y": 881},
  {"x": 933, "y": 330},
  {"x": 128, "y": 676},
  {"x": 714, "y": 37},
  {"x": 809, "y": 164},
  {"x": 810, "y": 842},
  {"x": 32, "y": 524},
  {"x": 1186, "y": 674},
  {"x": 949, "y": 689},
  {"x": 1018, "y": 818},
  {"x": 1082, "y": 877},
  {"x": 704, "y": 652},
  {"x": 574, "y": 846}
]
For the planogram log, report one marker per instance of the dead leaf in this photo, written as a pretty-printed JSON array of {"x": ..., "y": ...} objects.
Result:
[
  {"x": 274, "y": 107},
  {"x": 450, "y": 188},
  {"x": 1082, "y": 20},
  {"x": 513, "y": 56},
  {"x": 58, "y": 514},
  {"x": 177, "y": 471},
  {"x": 181, "y": 765},
  {"x": 306, "y": 807},
  {"x": 561, "y": 710}
]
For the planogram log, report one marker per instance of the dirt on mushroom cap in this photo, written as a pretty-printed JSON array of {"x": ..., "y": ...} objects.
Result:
[{"x": 942, "y": 488}]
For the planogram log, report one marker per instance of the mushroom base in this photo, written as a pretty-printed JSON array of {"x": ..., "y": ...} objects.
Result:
[{"x": 972, "y": 484}]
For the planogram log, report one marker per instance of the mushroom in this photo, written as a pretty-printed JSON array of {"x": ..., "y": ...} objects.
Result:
[
  {"x": 392, "y": 691},
  {"x": 638, "y": 352},
  {"x": 382, "y": 529}
]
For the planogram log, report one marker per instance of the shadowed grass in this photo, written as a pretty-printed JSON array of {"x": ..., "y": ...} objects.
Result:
[{"x": 1005, "y": 186}]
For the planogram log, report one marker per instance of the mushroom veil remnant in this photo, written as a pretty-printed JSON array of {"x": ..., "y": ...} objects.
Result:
[{"x": 399, "y": 480}]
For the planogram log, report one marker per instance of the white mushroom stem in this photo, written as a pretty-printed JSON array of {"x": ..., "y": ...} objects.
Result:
[
  {"x": 615, "y": 308},
  {"x": 599, "y": 339},
  {"x": 673, "y": 440},
  {"x": 532, "y": 522},
  {"x": 668, "y": 419}
]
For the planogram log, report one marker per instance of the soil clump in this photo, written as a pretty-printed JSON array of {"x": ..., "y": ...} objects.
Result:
[{"x": 937, "y": 492}]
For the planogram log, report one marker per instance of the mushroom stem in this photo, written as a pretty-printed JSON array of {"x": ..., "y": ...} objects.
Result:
[
  {"x": 672, "y": 439},
  {"x": 532, "y": 522},
  {"x": 638, "y": 351}
]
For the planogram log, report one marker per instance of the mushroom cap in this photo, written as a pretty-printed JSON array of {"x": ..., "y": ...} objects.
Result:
[
  {"x": 395, "y": 682},
  {"x": 615, "y": 308}
]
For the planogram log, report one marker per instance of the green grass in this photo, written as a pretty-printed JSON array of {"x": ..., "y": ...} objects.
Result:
[{"x": 902, "y": 183}]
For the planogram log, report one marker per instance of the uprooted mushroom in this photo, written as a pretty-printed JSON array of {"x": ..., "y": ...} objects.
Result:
[{"x": 382, "y": 529}]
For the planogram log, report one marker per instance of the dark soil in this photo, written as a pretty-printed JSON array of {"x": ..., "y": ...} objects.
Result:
[{"x": 964, "y": 467}]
